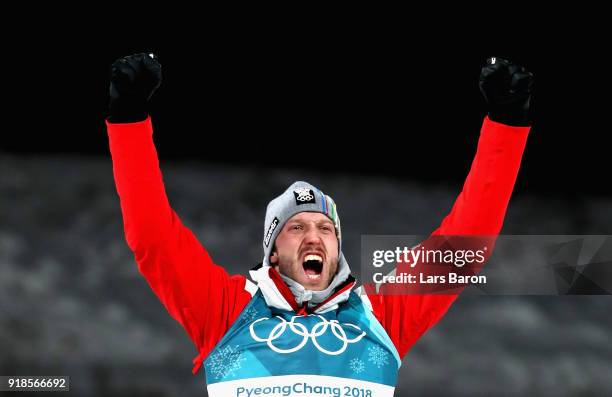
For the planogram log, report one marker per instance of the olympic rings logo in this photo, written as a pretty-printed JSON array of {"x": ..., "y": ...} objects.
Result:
[
  {"x": 304, "y": 194},
  {"x": 300, "y": 329}
]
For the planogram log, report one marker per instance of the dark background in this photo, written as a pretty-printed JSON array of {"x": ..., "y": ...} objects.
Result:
[
  {"x": 378, "y": 99},
  {"x": 381, "y": 113}
]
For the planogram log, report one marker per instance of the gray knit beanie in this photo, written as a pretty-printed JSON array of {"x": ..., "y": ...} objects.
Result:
[{"x": 299, "y": 197}]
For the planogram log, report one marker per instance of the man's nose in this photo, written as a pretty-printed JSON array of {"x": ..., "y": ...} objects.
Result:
[{"x": 312, "y": 235}]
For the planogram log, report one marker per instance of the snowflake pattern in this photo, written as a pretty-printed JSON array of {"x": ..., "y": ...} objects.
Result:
[
  {"x": 378, "y": 356},
  {"x": 357, "y": 366},
  {"x": 224, "y": 362},
  {"x": 249, "y": 315}
]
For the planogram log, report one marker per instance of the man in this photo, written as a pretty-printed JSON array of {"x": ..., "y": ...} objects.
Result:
[{"x": 299, "y": 327}]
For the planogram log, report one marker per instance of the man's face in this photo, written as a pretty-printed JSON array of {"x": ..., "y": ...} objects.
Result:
[{"x": 306, "y": 250}]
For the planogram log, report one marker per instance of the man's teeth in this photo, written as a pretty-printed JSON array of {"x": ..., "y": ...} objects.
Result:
[
  {"x": 313, "y": 265},
  {"x": 313, "y": 258}
]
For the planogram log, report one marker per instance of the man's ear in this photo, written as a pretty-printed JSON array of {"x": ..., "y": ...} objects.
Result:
[{"x": 274, "y": 258}]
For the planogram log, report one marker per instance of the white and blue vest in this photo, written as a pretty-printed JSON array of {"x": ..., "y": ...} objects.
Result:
[{"x": 271, "y": 351}]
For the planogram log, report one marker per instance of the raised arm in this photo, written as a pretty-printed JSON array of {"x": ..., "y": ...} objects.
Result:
[
  {"x": 200, "y": 295},
  {"x": 481, "y": 206}
]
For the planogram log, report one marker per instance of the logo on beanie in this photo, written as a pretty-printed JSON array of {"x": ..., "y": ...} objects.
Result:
[
  {"x": 304, "y": 196},
  {"x": 270, "y": 231}
]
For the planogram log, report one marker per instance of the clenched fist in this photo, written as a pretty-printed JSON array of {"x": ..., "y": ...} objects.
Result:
[
  {"x": 507, "y": 88},
  {"x": 133, "y": 81}
]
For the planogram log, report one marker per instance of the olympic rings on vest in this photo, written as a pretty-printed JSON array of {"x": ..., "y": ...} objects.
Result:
[{"x": 300, "y": 329}]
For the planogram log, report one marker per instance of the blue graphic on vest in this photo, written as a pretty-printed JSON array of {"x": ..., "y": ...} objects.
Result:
[{"x": 265, "y": 341}]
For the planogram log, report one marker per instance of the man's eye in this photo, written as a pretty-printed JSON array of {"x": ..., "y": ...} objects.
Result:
[
  {"x": 296, "y": 227},
  {"x": 326, "y": 228}
]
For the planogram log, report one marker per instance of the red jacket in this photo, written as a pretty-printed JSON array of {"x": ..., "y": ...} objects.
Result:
[{"x": 206, "y": 300}]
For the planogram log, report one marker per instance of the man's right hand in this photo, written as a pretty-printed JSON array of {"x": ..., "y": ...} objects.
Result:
[{"x": 133, "y": 81}]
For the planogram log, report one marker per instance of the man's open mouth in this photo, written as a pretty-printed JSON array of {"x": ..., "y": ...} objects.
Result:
[{"x": 313, "y": 266}]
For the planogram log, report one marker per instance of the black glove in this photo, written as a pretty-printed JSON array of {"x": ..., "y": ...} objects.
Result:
[
  {"x": 507, "y": 89},
  {"x": 133, "y": 81}
]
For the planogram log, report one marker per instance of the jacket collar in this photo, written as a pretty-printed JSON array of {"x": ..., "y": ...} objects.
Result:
[{"x": 294, "y": 297}]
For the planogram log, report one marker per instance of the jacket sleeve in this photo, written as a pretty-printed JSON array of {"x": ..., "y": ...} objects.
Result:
[
  {"x": 478, "y": 210},
  {"x": 197, "y": 293}
]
